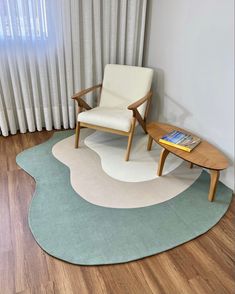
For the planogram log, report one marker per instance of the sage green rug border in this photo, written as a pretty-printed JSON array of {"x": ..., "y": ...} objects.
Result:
[{"x": 70, "y": 228}]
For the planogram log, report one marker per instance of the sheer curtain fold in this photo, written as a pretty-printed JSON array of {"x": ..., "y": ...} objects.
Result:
[{"x": 52, "y": 49}]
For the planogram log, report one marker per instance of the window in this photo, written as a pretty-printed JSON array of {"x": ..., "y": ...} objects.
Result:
[{"x": 23, "y": 20}]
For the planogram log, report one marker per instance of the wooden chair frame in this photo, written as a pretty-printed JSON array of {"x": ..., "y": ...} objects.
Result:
[{"x": 136, "y": 117}]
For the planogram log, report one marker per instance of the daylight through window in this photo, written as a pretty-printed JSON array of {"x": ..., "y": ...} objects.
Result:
[{"x": 23, "y": 20}]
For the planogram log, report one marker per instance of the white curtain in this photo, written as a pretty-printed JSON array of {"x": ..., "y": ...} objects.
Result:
[{"x": 52, "y": 49}]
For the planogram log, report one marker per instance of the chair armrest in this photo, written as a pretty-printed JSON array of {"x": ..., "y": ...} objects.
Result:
[
  {"x": 80, "y": 101},
  {"x": 134, "y": 107},
  {"x": 139, "y": 102}
]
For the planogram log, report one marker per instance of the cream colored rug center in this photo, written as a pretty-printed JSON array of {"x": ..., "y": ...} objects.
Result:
[{"x": 100, "y": 175}]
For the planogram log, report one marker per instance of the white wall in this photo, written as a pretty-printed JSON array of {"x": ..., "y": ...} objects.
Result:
[{"x": 190, "y": 45}]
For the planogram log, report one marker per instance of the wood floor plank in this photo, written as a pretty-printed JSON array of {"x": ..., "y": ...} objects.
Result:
[
  {"x": 63, "y": 282},
  {"x": 150, "y": 274},
  {"x": 48, "y": 288},
  {"x": 176, "y": 277},
  {"x": 212, "y": 267},
  {"x": 7, "y": 274},
  {"x": 3, "y": 157},
  {"x": 200, "y": 285},
  {"x": 5, "y": 223},
  {"x": 117, "y": 279},
  {"x": 204, "y": 265}
]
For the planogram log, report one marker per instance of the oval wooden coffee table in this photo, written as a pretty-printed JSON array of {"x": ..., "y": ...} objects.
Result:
[{"x": 204, "y": 155}]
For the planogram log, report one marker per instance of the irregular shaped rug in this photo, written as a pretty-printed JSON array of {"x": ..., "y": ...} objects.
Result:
[{"x": 71, "y": 227}]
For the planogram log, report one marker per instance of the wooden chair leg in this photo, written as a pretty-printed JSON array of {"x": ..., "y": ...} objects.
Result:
[
  {"x": 77, "y": 133},
  {"x": 130, "y": 138},
  {"x": 150, "y": 143}
]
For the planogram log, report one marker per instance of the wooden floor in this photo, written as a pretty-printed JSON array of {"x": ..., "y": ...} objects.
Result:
[{"x": 204, "y": 265}]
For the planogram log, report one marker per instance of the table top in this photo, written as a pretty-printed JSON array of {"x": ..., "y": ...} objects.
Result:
[{"x": 204, "y": 155}]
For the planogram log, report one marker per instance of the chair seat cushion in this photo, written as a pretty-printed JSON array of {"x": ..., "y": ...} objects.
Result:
[{"x": 108, "y": 117}]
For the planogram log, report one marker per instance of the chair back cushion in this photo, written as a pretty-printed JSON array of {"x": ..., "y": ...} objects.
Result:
[{"x": 124, "y": 84}]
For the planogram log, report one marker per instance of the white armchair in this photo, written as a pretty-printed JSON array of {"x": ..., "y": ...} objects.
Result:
[{"x": 124, "y": 102}]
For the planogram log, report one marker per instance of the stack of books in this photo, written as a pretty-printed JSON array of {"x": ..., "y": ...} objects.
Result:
[{"x": 180, "y": 140}]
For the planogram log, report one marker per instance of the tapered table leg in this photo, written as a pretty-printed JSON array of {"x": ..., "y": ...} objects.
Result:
[
  {"x": 163, "y": 156},
  {"x": 213, "y": 184},
  {"x": 191, "y": 165},
  {"x": 150, "y": 142}
]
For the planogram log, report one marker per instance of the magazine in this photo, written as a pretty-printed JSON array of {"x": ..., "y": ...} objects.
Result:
[{"x": 180, "y": 140}]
